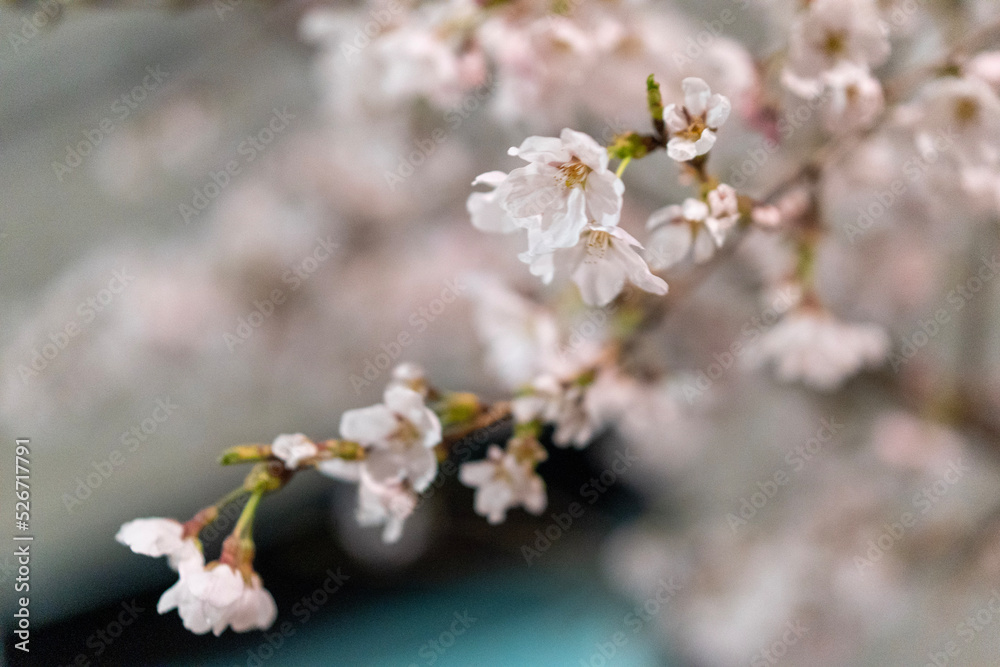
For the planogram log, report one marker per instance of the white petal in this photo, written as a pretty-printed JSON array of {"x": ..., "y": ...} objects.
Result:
[
  {"x": 696, "y": 95},
  {"x": 704, "y": 246},
  {"x": 705, "y": 142},
  {"x": 585, "y": 148},
  {"x": 668, "y": 245},
  {"x": 371, "y": 425},
  {"x": 667, "y": 214},
  {"x": 541, "y": 149},
  {"x": 681, "y": 150},
  {"x": 604, "y": 199},
  {"x": 695, "y": 209},
  {"x": 718, "y": 111}
]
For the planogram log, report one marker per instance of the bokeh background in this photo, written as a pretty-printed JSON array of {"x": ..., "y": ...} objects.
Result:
[{"x": 197, "y": 250}]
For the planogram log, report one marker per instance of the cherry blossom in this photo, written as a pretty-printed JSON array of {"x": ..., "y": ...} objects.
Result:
[
  {"x": 385, "y": 504},
  {"x": 293, "y": 449},
  {"x": 810, "y": 346},
  {"x": 401, "y": 434},
  {"x": 694, "y": 124},
  {"x": 507, "y": 479},
  {"x": 216, "y": 596},
  {"x": 600, "y": 264},
  {"x": 565, "y": 185},
  {"x": 831, "y": 32},
  {"x": 694, "y": 227},
  {"x": 159, "y": 537}
]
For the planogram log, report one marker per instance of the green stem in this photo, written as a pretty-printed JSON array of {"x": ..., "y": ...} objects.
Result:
[
  {"x": 245, "y": 522},
  {"x": 621, "y": 167}
]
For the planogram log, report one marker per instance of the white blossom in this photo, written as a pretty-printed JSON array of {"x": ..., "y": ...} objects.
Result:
[
  {"x": 693, "y": 125},
  {"x": 856, "y": 99},
  {"x": 694, "y": 227},
  {"x": 293, "y": 449},
  {"x": 831, "y": 32},
  {"x": 565, "y": 185},
  {"x": 506, "y": 479},
  {"x": 579, "y": 409},
  {"x": 159, "y": 537},
  {"x": 216, "y": 597},
  {"x": 485, "y": 210},
  {"x": 385, "y": 504},
  {"x": 600, "y": 264},
  {"x": 400, "y": 434},
  {"x": 810, "y": 346}
]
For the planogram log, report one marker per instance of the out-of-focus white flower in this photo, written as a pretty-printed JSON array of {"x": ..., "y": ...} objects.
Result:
[
  {"x": 293, "y": 449},
  {"x": 693, "y": 125},
  {"x": 159, "y": 537},
  {"x": 809, "y": 345},
  {"x": 521, "y": 336},
  {"x": 985, "y": 67},
  {"x": 411, "y": 376},
  {"x": 401, "y": 434},
  {"x": 960, "y": 117},
  {"x": 385, "y": 504},
  {"x": 831, "y": 32},
  {"x": 600, "y": 264},
  {"x": 766, "y": 215},
  {"x": 856, "y": 99},
  {"x": 578, "y": 409},
  {"x": 565, "y": 185},
  {"x": 506, "y": 479},
  {"x": 216, "y": 597},
  {"x": 425, "y": 61},
  {"x": 694, "y": 227}
]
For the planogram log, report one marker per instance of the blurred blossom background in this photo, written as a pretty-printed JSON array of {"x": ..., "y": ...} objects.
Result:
[{"x": 227, "y": 220}]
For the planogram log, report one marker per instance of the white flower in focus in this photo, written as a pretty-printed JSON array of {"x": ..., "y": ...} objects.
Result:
[
  {"x": 216, "y": 597},
  {"x": 565, "y": 185},
  {"x": 159, "y": 537},
  {"x": 293, "y": 449},
  {"x": 505, "y": 480},
  {"x": 385, "y": 504},
  {"x": 810, "y": 346},
  {"x": 831, "y": 32},
  {"x": 694, "y": 227},
  {"x": 600, "y": 265},
  {"x": 693, "y": 125},
  {"x": 856, "y": 99},
  {"x": 400, "y": 434}
]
